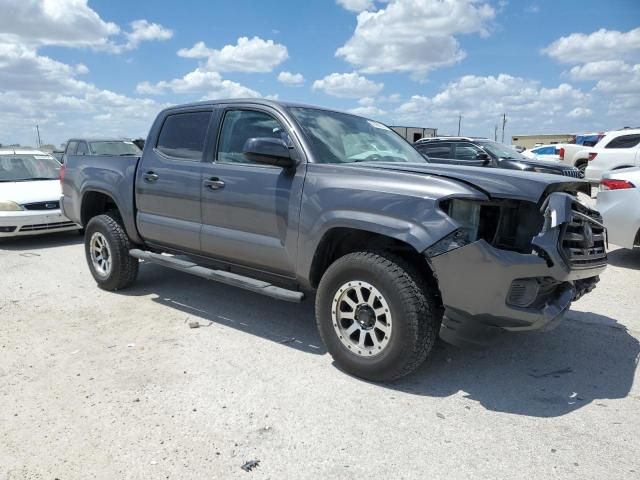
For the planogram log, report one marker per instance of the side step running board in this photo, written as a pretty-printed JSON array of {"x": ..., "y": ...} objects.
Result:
[{"x": 221, "y": 276}]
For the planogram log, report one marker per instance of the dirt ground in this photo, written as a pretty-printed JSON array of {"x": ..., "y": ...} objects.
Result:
[{"x": 117, "y": 386}]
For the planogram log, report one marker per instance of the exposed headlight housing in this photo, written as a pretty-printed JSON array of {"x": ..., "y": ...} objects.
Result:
[
  {"x": 467, "y": 214},
  {"x": 7, "y": 206}
]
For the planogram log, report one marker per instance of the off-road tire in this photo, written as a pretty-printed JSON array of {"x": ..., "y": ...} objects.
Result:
[
  {"x": 124, "y": 268},
  {"x": 415, "y": 308}
]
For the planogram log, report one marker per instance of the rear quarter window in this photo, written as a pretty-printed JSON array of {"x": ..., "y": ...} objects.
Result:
[
  {"x": 183, "y": 135},
  {"x": 624, "y": 141}
]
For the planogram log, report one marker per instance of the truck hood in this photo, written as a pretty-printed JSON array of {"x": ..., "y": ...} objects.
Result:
[
  {"x": 30, "y": 192},
  {"x": 494, "y": 182}
]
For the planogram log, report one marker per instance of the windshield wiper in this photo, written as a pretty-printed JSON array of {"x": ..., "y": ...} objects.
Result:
[{"x": 128, "y": 154}]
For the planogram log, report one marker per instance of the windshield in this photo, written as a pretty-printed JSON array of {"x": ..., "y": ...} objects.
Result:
[
  {"x": 20, "y": 168},
  {"x": 501, "y": 151},
  {"x": 114, "y": 148},
  {"x": 342, "y": 138}
]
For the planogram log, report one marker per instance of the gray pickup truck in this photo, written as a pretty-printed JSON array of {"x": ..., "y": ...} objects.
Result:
[{"x": 284, "y": 199}]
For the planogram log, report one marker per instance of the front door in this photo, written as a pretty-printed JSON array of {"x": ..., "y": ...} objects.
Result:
[
  {"x": 250, "y": 211},
  {"x": 168, "y": 182}
]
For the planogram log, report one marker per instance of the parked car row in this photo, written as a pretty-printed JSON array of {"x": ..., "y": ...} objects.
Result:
[
  {"x": 615, "y": 150},
  {"x": 30, "y": 185},
  {"x": 30, "y": 194},
  {"x": 482, "y": 152}
]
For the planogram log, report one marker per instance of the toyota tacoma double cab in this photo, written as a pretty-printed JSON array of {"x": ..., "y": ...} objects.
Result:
[{"x": 287, "y": 200}]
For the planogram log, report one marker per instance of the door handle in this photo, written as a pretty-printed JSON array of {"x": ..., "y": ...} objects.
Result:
[
  {"x": 150, "y": 177},
  {"x": 214, "y": 183}
]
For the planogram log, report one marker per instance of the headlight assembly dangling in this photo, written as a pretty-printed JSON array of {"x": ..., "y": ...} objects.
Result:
[{"x": 467, "y": 214}]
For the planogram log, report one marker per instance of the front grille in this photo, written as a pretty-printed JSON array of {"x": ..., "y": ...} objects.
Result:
[
  {"x": 46, "y": 226},
  {"x": 571, "y": 172},
  {"x": 53, "y": 205},
  {"x": 583, "y": 238}
]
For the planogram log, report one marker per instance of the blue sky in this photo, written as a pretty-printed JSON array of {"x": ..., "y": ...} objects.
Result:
[{"x": 84, "y": 68}]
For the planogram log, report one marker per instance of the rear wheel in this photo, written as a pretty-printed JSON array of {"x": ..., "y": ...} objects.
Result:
[
  {"x": 107, "y": 250},
  {"x": 375, "y": 317},
  {"x": 582, "y": 167}
]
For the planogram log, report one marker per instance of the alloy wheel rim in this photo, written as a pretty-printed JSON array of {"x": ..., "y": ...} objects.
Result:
[
  {"x": 100, "y": 254},
  {"x": 361, "y": 318}
]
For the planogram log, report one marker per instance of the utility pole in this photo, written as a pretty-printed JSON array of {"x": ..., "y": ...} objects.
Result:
[
  {"x": 38, "y": 130},
  {"x": 504, "y": 122},
  {"x": 495, "y": 133},
  {"x": 459, "y": 122}
]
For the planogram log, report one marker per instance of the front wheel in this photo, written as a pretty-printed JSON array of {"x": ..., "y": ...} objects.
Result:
[
  {"x": 375, "y": 317},
  {"x": 107, "y": 248}
]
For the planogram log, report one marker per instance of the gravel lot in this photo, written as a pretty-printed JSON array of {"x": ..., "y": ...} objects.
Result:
[{"x": 116, "y": 385}]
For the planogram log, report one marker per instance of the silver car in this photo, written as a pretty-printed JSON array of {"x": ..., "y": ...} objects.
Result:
[{"x": 619, "y": 204}]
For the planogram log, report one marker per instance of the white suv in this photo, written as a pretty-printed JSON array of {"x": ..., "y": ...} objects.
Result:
[{"x": 617, "y": 149}]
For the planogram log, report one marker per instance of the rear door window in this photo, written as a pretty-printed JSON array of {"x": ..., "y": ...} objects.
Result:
[
  {"x": 436, "y": 150},
  {"x": 71, "y": 148},
  {"x": 82, "y": 149},
  {"x": 624, "y": 141},
  {"x": 183, "y": 135}
]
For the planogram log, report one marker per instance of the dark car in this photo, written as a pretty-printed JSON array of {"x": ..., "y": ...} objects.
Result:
[
  {"x": 100, "y": 146},
  {"x": 285, "y": 199},
  {"x": 482, "y": 152}
]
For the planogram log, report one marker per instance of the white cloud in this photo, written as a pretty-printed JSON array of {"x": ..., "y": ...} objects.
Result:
[
  {"x": 199, "y": 81},
  {"x": 414, "y": 36},
  {"x": 144, "y": 31},
  {"x": 368, "y": 108},
  {"x": 609, "y": 58},
  {"x": 347, "y": 85},
  {"x": 35, "y": 88},
  {"x": 481, "y": 100},
  {"x": 599, "y": 70},
  {"x": 597, "y": 46},
  {"x": 291, "y": 79},
  {"x": 248, "y": 55},
  {"x": 580, "y": 112},
  {"x": 355, "y": 5},
  {"x": 369, "y": 111},
  {"x": 70, "y": 23}
]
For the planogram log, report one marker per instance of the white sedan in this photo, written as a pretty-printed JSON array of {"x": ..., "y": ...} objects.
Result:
[
  {"x": 619, "y": 204},
  {"x": 544, "y": 152},
  {"x": 30, "y": 194}
]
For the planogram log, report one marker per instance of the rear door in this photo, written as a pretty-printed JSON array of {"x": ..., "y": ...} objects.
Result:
[
  {"x": 622, "y": 151},
  {"x": 250, "y": 211},
  {"x": 168, "y": 181}
]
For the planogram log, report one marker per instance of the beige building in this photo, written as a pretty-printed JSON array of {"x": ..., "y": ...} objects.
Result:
[
  {"x": 530, "y": 141},
  {"x": 413, "y": 134}
]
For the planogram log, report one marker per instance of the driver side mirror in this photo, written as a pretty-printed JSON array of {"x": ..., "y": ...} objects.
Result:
[
  {"x": 267, "y": 150},
  {"x": 484, "y": 157}
]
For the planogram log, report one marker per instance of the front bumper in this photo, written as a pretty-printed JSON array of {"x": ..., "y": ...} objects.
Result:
[
  {"x": 34, "y": 222},
  {"x": 486, "y": 290}
]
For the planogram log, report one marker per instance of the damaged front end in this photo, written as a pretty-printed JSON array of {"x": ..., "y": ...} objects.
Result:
[{"x": 514, "y": 265}]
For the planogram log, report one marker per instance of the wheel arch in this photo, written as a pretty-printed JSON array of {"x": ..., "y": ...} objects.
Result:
[
  {"x": 96, "y": 201},
  {"x": 341, "y": 240}
]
